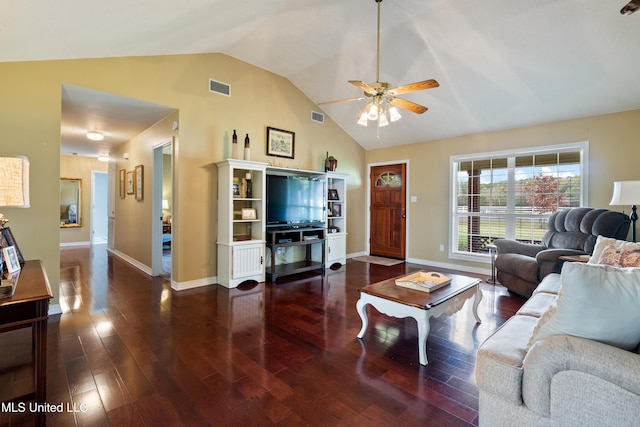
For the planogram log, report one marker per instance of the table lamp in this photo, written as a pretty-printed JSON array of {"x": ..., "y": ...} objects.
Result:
[{"x": 627, "y": 193}]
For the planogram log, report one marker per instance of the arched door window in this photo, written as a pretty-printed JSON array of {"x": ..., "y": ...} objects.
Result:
[{"x": 389, "y": 179}]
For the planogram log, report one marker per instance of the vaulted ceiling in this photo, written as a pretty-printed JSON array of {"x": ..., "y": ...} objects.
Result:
[{"x": 500, "y": 63}]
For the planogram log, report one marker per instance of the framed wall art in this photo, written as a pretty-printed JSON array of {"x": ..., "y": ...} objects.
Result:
[
  {"x": 123, "y": 183},
  {"x": 139, "y": 177},
  {"x": 280, "y": 143},
  {"x": 130, "y": 181}
]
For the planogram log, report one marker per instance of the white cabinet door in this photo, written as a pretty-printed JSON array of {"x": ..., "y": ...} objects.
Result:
[
  {"x": 247, "y": 260},
  {"x": 336, "y": 249}
]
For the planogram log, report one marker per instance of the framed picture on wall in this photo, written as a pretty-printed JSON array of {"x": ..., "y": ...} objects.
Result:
[
  {"x": 280, "y": 143},
  {"x": 130, "y": 180},
  {"x": 123, "y": 183},
  {"x": 139, "y": 176}
]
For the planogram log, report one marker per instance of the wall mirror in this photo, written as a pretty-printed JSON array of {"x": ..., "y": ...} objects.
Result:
[{"x": 70, "y": 202}]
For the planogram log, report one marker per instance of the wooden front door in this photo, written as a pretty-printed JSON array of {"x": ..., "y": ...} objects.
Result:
[{"x": 388, "y": 211}]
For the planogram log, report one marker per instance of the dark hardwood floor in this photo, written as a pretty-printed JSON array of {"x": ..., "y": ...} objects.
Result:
[{"x": 129, "y": 351}]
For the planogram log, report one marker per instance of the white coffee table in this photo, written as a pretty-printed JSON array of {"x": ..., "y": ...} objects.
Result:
[{"x": 399, "y": 302}]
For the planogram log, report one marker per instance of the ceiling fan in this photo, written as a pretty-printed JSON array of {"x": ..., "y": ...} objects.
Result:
[{"x": 383, "y": 97}]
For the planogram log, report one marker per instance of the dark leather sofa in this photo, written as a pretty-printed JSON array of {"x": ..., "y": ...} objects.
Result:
[{"x": 521, "y": 266}]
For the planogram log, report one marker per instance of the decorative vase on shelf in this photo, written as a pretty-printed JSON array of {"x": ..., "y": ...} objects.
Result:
[
  {"x": 248, "y": 189},
  {"x": 247, "y": 149},
  {"x": 234, "y": 146},
  {"x": 330, "y": 163}
]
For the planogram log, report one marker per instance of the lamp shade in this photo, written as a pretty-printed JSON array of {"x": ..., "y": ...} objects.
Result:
[
  {"x": 625, "y": 193},
  {"x": 165, "y": 204},
  {"x": 14, "y": 181}
]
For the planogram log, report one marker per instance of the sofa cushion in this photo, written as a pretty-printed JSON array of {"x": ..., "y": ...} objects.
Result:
[
  {"x": 596, "y": 302},
  {"x": 500, "y": 357},
  {"x": 537, "y": 305},
  {"x": 604, "y": 243},
  {"x": 549, "y": 285}
]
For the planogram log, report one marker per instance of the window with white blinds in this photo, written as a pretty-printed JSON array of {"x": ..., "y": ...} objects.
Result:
[{"x": 512, "y": 194}]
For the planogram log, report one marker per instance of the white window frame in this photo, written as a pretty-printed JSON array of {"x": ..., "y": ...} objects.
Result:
[{"x": 582, "y": 147}]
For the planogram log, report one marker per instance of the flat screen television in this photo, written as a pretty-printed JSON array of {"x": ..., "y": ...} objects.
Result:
[{"x": 295, "y": 201}]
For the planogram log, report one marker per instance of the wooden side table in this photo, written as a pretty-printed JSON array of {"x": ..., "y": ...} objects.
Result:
[
  {"x": 575, "y": 258},
  {"x": 29, "y": 306}
]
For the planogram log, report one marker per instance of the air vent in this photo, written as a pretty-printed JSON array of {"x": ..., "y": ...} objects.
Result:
[
  {"x": 219, "y": 87},
  {"x": 317, "y": 117}
]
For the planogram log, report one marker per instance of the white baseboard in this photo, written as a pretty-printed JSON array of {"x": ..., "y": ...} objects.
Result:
[
  {"x": 176, "y": 286},
  {"x": 68, "y": 244},
  {"x": 137, "y": 264},
  {"x": 356, "y": 254},
  {"x": 198, "y": 283},
  {"x": 54, "y": 309}
]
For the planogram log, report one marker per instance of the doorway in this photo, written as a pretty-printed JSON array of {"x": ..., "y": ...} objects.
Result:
[
  {"x": 99, "y": 210},
  {"x": 162, "y": 209},
  {"x": 388, "y": 214}
]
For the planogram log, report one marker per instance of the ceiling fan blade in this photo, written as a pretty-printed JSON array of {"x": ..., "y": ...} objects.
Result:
[
  {"x": 413, "y": 87},
  {"x": 362, "y": 85},
  {"x": 341, "y": 100},
  {"x": 408, "y": 105}
]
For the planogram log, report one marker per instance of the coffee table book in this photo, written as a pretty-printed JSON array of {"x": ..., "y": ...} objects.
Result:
[{"x": 424, "y": 281}]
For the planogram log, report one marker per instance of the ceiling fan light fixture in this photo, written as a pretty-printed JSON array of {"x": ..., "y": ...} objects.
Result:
[
  {"x": 373, "y": 112},
  {"x": 364, "y": 119},
  {"x": 394, "y": 114},
  {"x": 95, "y": 135},
  {"x": 383, "y": 121}
]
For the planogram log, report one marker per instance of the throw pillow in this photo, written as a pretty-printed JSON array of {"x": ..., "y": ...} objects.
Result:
[
  {"x": 616, "y": 257},
  {"x": 596, "y": 302},
  {"x": 603, "y": 243}
]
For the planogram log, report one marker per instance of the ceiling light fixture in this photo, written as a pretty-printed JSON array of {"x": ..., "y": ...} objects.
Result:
[
  {"x": 95, "y": 135},
  {"x": 383, "y": 96}
]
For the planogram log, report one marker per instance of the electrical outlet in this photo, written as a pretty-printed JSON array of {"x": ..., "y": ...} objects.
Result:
[{"x": 441, "y": 248}]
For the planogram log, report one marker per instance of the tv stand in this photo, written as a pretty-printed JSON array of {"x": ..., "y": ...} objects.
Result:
[{"x": 284, "y": 238}]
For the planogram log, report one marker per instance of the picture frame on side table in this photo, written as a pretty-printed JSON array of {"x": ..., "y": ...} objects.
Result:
[
  {"x": 123, "y": 183},
  {"x": 7, "y": 239},
  {"x": 10, "y": 257},
  {"x": 280, "y": 143},
  {"x": 139, "y": 174},
  {"x": 130, "y": 181}
]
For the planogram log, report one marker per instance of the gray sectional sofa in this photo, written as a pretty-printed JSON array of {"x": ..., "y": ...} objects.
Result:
[{"x": 560, "y": 380}]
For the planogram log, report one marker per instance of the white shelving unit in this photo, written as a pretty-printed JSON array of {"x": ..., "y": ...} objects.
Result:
[
  {"x": 336, "y": 247},
  {"x": 241, "y": 222}
]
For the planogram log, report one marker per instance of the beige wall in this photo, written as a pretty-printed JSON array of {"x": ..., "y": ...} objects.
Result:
[
  {"x": 80, "y": 167},
  {"x": 614, "y": 151},
  {"x": 30, "y": 126}
]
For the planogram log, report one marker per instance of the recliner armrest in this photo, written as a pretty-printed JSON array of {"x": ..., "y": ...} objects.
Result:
[
  {"x": 506, "y": 246},
  {"x": 554, "y": 254}
]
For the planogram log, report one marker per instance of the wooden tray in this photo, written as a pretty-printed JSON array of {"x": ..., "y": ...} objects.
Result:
[{"x": 424, "y": 281}]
